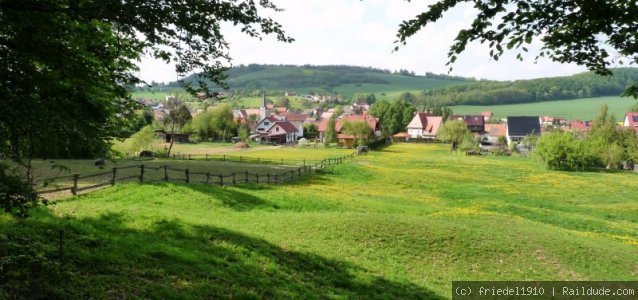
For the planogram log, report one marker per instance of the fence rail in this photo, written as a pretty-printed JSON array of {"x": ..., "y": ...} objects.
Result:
[
  {"x": 240, "y": 158},
  {"x": 76, "y": 183}
]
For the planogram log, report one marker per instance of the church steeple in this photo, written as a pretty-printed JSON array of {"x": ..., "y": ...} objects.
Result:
[{"x": 263, "y": 110}]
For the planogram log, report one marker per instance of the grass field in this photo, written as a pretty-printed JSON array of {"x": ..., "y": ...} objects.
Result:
[
  {"x": 399, "y": 223},
  {"x": 578, "y": 109},
  {"x": 271, "y": 157}
]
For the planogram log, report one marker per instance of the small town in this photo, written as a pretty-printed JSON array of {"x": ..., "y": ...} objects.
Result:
[{"x": 282, "y": 149}]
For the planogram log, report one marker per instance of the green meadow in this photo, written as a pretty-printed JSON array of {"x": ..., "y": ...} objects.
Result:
[
  {"x": 578, "y": 109},
  {"x": 400, "y": 223}
]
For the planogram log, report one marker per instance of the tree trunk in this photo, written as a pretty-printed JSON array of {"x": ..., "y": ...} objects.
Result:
[{"x": 172, "y": 139}]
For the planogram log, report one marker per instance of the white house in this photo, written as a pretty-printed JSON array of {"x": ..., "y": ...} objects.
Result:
[{"x": 424, "y": 126}]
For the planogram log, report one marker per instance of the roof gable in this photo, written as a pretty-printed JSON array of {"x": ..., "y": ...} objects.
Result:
[{"x": 286, "y": 126}]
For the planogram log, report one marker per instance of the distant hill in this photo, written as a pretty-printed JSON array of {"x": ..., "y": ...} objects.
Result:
[
  {"x": 337, "y": 79},
  {"x": 583, "y": 85}
]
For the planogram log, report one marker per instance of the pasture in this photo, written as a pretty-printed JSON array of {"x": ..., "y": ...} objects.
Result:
[
  {"x": 578, "y": 109},
  {"x": 403, "y": 222}
]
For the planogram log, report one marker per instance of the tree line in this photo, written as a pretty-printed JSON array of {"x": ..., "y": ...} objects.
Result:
[{"x": 584, "y": 85}]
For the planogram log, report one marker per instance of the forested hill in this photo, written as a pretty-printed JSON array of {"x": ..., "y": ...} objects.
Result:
[
  {"x": 583, "y": 85},
  {"x": 327, "y": 78}
]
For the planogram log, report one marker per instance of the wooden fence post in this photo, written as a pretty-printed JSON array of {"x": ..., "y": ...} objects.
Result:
[
  {"x": 187, "y": 175},
  {"x": 206, "y": 156},
  {"x": 234, "y": 179},
  {"x": 276, "y": 178},
  {"x": 246, "y": 176},
  {"x": 282, "y": 161},
  {"x": 304, "y": 161},
  {"x": 165, "y": 173},
  {"x": 299, "y": 172},
  {"x": 141, "y": 173},
  {"x": 224, "y": 157},
  {"x": 114, "y": 176},
  {"x": 207, "y": 177},
  {"x": 257, "y": 177},
  {"x": 240, "y": 158},
  {"x": 189, "y": 157},
  {"x": 268, "y": 178},
  {"x": 221, "y": 180},
  {"x": 74, "y": 190}
]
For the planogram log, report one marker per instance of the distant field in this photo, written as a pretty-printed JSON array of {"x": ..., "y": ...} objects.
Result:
[
  {"x": 579, "y": 109},
  {"x": 398, "y": 84},
  {"x": 401, "y": 223},
  {"x": 158, "y": 95}
]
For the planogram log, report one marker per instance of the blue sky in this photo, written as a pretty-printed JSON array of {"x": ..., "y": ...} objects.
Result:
[{"x": 362, "y": 33}]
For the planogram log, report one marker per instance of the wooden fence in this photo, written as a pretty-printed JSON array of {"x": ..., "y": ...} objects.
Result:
[
  {"x": 76, "y": 183},
  {"x": 240, "y": 158}
]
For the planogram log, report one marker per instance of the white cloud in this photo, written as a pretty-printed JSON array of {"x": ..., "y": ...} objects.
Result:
[{"x": 362, "y": 33}]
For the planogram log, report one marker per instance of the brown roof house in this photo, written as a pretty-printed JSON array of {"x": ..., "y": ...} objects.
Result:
[
  {"x": 281, "y": 132},
  {"x": 424, "y": 125},
  {"x": 475, "y": 123}
]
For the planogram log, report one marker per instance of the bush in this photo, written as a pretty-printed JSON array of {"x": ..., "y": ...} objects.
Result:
[
  {"x": 563, "y": 151},
  {"x": 16, "y": 195}
]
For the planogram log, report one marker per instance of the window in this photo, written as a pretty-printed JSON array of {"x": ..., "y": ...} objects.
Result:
[
  {"x": 277, "y": 129},
  {"x": 266, "y": 123}
]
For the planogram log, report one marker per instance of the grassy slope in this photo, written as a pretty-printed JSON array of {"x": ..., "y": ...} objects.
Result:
[
  {"x": 578, "y": 109},
  {"x": 401, "y": 223}
]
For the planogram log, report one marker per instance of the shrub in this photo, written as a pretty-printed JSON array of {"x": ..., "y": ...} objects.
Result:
[{"x": 16, "y": 195}]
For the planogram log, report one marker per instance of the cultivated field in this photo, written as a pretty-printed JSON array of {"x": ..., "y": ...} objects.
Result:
[
  {"x": 399, "y": 223},
  {"x": 578, "y": 109}
]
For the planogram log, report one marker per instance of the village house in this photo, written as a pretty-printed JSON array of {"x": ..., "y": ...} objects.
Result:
[
  {"x": 424, "y": 125},
  {"x": 343, "y": 138},
  {"x": 283, "y": 128},
  {"x": 521, "y": 126},
  {"x": 359, "y": 107},
  {"x": 475, "y": 123},
  {"x": 631, "y": 121},
  {"x": 493, "y": 133},
  {"x": 168, "y": 137},
  {"x": 487, "y": 115},
  {"x": 580, "y": 125}
]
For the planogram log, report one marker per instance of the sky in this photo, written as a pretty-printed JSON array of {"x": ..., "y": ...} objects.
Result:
[{"x": 362, "y": 33}]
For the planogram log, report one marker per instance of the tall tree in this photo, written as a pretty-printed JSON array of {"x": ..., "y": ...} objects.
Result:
[
  {"x": 581, "y": 32},
  {"x": 360, "y": 130},
  {"x": 176, "y": 120},
  {"x": 70, "y": 63},
  {"x": 454, "y": 131},
  {"x": 222, "y": 120},
  {"x": 331, "y": 133}
]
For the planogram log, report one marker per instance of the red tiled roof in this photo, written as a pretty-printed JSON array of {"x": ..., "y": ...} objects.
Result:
[
  {"x": 252, "y": 111},
  {"x": 401, "y": 135},
  {"x": 496, "y": 129},
  {"x": 487, "y": 114},
  {"x": 372, "y": 121},
  {"x": 295, "y": 117},
  {"x": 322, "y": 126},
  {"x": 580, "y": 125}
]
